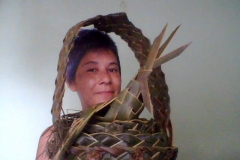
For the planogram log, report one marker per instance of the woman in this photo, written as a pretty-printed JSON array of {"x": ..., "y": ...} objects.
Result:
[{"x": 93, "y": 72}]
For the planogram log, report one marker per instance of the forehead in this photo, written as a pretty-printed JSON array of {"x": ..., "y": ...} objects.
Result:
[{"x": 99, "y": 56}]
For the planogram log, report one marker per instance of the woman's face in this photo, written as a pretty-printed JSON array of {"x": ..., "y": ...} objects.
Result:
[{"x": 98, "y": 78}]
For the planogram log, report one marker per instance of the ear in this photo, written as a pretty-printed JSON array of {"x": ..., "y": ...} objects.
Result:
[{"x": 72, "y": 86}]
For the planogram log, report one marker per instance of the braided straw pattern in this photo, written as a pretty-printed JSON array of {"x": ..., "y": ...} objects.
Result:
[
  {"x": 113, "y": 130},
  {"x": 123, "y": 140}
]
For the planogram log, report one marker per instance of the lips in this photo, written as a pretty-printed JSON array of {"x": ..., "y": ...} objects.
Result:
[
  {"x": 108, "y": 94},
  {"x": 105, "y": 92}
]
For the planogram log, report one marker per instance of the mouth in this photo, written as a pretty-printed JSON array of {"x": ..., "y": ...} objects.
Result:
[
  {"x": 105, "y": 92},
  {"x": 104, "y": 96}
]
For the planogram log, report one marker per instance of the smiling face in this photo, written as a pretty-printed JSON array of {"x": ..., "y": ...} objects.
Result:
[{"x": 98, "y": 78}]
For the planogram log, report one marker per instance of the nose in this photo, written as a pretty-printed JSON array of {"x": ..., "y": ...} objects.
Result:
[{"x": 105, "y": 78}]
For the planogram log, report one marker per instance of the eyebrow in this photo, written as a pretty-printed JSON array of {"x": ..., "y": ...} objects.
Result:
[
  {"x": 89, "y": 62},
  {"x": 94, "y": 62},
  {"x": 114, "y": 63}
]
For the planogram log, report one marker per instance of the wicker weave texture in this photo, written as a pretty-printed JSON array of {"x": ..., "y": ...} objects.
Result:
[{"x": 113, "y": 130}]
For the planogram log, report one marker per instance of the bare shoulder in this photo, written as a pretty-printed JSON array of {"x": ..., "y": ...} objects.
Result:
[{"x": 44, "y": 138}]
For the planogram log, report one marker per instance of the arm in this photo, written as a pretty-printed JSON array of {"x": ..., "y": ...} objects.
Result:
[{"x": 45, "y": 137}]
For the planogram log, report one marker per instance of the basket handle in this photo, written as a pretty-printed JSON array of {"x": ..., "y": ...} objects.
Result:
[{"x": 117, "y": 23}]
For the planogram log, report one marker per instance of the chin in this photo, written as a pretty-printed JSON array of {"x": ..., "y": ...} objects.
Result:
[{"x": 105, "y": 99}]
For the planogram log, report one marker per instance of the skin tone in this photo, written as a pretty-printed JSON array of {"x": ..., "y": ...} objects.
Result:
[{"x": 98, "y": 80}]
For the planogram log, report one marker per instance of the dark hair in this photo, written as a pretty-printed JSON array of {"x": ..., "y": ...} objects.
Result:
[{"x": 88, "y": 40}]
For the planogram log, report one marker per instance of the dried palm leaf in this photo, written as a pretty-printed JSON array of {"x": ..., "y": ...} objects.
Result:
[{"x": 113, "y": 130}]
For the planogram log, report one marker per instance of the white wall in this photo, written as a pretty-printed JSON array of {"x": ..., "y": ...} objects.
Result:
[{"x": 203, "y": 82}]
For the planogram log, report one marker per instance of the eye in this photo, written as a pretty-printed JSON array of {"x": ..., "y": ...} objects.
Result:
[
  {"x": 92, "y": 70},
  {"x": 113, "y": 70}
]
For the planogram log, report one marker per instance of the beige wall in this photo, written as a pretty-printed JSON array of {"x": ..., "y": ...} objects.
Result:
[{"x": 203, "y": 82}]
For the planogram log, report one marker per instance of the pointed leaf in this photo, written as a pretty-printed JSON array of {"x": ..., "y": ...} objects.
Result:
[
  {"x": 170, "y": 55},
  {"x": 154, "y": 49},
  {"x": 146, "y": 94},
  {"x": 162, "y": 48}
]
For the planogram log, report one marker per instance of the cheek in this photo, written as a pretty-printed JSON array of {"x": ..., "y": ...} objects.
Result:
[
  {"x": 86, "y": 85},
  {"x": 118, "y": 82}
]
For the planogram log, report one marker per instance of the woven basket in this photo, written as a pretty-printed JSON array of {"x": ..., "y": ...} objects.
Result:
[{"x": 113, "y": 130}]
